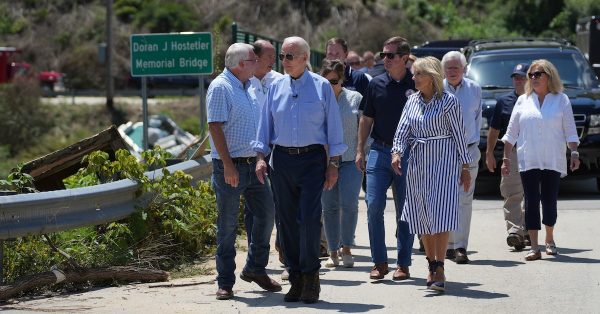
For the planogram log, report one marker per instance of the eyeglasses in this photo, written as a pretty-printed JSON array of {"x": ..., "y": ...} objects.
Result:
[
  {"x": 536, "y": 74},
  {"x": 389, "y": 55},
  {"x": 252, "y": 60},
  {"x": 287, "y": 56},
  {"x": 353, "y": 63},
  {"x": 334, "y": 82}
]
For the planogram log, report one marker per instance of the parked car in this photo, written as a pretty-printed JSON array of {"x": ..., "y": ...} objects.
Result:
[
  {"x": 438, "y": 48},
  {"x": 490, "y": 63}
]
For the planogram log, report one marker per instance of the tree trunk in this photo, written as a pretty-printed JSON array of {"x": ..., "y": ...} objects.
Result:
[{"x": 118, "y": 273}]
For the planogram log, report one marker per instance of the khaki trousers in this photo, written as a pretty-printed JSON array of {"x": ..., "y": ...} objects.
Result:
[{"x": 511, "y": 190}]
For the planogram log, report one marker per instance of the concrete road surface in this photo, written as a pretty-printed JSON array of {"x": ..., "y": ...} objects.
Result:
[{"x": 496, "y": 281}]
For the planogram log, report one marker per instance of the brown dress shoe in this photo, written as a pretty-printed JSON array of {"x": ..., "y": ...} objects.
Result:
[
  {"x": 311, "y": 288},
  {"x": 461, "y": 256},
  {"x": 379, "y": 271},
  {"x": 401, "y": 273},
  {"x": 224, "y": 294},
  {"x": 262, "y": 280}
]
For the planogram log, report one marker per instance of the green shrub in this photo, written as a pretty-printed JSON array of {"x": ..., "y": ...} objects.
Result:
[
  {"x": 24, "y": 118},
  {"x": 174, "y": 223}
]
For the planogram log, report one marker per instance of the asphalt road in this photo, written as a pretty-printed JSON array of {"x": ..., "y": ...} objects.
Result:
[{"x": 497, "y": 280}]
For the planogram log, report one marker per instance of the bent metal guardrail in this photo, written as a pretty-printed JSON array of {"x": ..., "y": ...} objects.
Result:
[{"x": 46, "y": 212}]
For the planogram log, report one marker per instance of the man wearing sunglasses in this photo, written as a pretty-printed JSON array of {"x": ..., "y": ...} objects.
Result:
[
  {"x": 356, "y": 63},
  {"x": 468, "y": 93},
  {"x": 337, "y": 49},
  {"x": 511, "y": 187},
  {"x": 385, "y": 100},
  {"x": 232, "y": 123},
  {"x": 302, "y": 121}
]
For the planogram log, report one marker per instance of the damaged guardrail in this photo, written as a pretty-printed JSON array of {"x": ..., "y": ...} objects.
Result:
[{"x": 46, "y": 212}]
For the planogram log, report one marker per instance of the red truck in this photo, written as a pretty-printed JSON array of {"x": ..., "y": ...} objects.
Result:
[{"x": 9, "y": 68}]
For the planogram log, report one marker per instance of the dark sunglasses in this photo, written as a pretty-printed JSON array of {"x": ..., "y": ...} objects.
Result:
[
  {"x": 334, "y": 82},
  {"x": 389, "y": 55},
  {"x": 536, "y": 74},
  {"x": 287, "y": 56}
]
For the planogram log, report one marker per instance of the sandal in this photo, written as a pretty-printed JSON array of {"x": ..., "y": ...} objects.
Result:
[
  {"x": 551, "y": 248},
  {"x": 439, "y": 286},
  {"x": 432, "y": 266},
  {"x": 533, "y": 255}
]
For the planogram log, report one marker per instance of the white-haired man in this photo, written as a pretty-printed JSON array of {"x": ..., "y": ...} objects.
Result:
[
  {"x": 468, "y": 93},
  {"x": 232, "y": 123},
  {"x": 300, "y": 120}
]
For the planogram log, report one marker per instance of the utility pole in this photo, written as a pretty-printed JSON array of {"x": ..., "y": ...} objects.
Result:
[{"x": 109, "y": 55}]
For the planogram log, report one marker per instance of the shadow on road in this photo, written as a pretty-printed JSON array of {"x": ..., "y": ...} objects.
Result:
[{"x": 276, "y": 300}]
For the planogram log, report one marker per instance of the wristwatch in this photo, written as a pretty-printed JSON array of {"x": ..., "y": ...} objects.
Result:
[
  {"x": 334, "y": 162},
  {"x": 574, "y": 153}
]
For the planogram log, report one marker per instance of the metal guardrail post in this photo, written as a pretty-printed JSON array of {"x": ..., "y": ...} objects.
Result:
[{"x": 1, "y": 261}]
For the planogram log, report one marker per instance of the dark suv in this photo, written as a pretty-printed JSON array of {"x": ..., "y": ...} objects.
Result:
[{"x": 490, "y": 63}]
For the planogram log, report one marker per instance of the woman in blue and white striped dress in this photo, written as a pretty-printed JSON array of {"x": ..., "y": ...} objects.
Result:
[{"x": 432, "y": 125}]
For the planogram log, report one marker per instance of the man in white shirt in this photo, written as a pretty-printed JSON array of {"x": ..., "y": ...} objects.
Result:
[
  {"x": 264, "y": 74},
  {"x": 468, "y": 93}
]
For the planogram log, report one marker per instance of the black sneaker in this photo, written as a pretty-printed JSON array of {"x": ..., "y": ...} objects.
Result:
[
  {"x": 450, "y": 254},
  {"x": 515, "y": 240}
]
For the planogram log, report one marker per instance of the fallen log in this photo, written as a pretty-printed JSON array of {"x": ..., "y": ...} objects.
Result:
[{"x": 55, "y": 276}]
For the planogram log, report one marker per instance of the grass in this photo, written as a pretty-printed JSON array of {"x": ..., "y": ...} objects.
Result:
[{"x": 72, "y": 123}]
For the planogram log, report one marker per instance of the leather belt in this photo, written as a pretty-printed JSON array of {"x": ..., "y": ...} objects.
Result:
[
  {"x": 298, "y": 150},
  {"x": 244, "y": 160},
  {"x": 382, "y": 143}
]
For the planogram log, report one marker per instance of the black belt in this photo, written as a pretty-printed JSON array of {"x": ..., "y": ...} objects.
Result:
[
  {"x": 298, "y": 150},
  {"x": 382, "y": 143},
  {"x": 243, "y": 160},
  {"x": 474, "y": 143}
]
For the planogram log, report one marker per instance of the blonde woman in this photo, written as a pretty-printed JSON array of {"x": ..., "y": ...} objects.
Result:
[
  {"x": 431, "y": 126},
  {"x": 541, "y": 122}
]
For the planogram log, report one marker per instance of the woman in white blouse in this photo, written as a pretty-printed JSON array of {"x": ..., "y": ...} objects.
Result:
[{"x": 541, "y": 122}]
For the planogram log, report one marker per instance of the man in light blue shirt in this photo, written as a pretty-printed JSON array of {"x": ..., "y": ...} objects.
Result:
[
  {"x": 300, "y": 119},
  {"x": 232, "y": 122},
  {"x": 468, "y": 93}
]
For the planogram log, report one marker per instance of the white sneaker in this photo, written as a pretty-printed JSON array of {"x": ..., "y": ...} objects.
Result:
[
  {"x": 285, "y": 275},
  {"x": 348, "y": 260},
  {"x": 551, "y": 248},
  {"x": 332, "y": 262}
]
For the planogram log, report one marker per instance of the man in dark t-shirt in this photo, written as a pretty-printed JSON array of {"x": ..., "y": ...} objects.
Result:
[
  {"x": 384, "y": 101},
  {"x": 510, "y": 186}
]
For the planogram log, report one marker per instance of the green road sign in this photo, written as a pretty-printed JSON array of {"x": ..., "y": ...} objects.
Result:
[{"x": 171, "y": 54}]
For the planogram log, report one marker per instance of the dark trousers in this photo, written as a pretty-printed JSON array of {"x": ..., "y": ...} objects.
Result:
[
  {"x": 298, "y": 183},
  {"x": 540, "y": 185},
  {"x": 249, "y": 221}
]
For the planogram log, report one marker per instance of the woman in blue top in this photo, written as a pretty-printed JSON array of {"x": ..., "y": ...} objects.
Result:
[{"x": 340, "y": 204}]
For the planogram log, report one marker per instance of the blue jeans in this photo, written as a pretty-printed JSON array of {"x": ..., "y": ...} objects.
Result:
[
  {"x": 340, "y": 207},
  {"x": 260, "y": 201},
  {"x": 379, "y": 178},
  {"x": 298, "y": 183}
]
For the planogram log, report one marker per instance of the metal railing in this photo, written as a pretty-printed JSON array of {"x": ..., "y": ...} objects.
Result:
[
  {"x": 240, "y": 35},
  {"x": 54, "y": 211}
]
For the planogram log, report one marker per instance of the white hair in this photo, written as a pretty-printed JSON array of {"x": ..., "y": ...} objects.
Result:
[
  {"x": 236, "y": 53},
  {"x": 300, "y": 42},
  {"x": 454, "y": 55}
]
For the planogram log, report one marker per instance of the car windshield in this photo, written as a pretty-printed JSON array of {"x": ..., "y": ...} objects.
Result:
[{"x": 493, "y": 71}]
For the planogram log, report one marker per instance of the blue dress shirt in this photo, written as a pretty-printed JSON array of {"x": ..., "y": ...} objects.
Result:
[
  {"x": 228, "y": 101},
  {"x": 299, "y": 113},
  {"x": 469, "y": 99}
]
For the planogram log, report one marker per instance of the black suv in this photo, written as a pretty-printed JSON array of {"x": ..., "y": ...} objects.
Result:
[{"x": 490, "y": 63}]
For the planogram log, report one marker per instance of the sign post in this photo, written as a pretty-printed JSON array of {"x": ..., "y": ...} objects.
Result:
[{"x": 167, "y": 55}]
